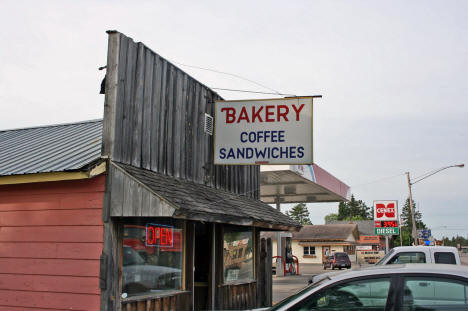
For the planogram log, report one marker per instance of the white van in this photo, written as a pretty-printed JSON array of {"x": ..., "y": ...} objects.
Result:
[{"x": 421, "y": 254}]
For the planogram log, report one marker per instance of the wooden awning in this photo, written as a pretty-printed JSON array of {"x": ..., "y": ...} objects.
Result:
[{"x": 136, "y": 192}]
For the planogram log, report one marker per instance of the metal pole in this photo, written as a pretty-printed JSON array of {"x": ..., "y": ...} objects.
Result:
[
  {"x": 279, "y": 264},
  {"x": 399, "y": 229},
  {"x": 415, "y": 233},
  {"x": 386, "y": 244}
]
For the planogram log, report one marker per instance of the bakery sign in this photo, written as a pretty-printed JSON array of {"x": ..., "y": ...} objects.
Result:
[{"x": 268, "y": 131}]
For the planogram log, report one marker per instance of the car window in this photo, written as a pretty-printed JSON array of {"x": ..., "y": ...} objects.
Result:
[
  {"x": 408, "y": 257},
  {"x": 425, "y": 293},
  {"x": 368, "y": 294},
  {"x": 384, "y": 258},
  {"x": 445, "y": 257},
  {"x": 341, "y": 256}
]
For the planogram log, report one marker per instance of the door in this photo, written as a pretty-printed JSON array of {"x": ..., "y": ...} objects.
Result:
[
  {"x": 202, "y": 264},
  {"x": 325, "y": 252}
]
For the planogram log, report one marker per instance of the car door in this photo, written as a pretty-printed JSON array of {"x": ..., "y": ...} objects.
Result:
[
  {"x": 374, "y": 293},
  {"x": 432, "y": 292}
]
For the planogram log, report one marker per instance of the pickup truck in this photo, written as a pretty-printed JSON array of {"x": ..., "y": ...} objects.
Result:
[{"x": 421, "y": 254}]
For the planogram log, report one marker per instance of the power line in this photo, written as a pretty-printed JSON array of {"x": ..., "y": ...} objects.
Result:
[
  {"x": 247, "y": 91},
  {"x": 378, "y": 180},
  {"x": 230, "y": 74}
]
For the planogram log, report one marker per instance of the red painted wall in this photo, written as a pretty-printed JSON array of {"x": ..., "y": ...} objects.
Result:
[{"x": 51, "y": 237}]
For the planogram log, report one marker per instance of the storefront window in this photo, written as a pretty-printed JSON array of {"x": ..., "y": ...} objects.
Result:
[
  {"x": 238, "y": 255},
  {"x": 152, "y": 254}
]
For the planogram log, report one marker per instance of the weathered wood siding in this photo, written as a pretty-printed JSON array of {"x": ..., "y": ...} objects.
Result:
[
  {"x": 154, "y": 118},
  {"x": 177, "y": 302},
  {"x": 130, "y": 198},
  {"x": 51, "y": 237},
  {"x": 239, "y": 297}
]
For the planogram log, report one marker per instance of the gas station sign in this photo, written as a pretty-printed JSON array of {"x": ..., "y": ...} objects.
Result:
[{"x": 386, "y": 217}]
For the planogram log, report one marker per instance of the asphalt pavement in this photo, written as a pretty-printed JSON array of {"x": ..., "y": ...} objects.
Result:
[{"x": 290, "y": 284}]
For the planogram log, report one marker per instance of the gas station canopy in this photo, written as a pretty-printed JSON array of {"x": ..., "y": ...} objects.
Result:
[{"x": 300, "y": 184}]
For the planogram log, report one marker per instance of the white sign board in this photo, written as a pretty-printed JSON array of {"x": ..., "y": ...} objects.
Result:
[
  {"x": 385, "y": 210},
  {"x": 270, "y": 131}
]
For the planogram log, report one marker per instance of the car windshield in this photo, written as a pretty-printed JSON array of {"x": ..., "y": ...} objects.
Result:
[
  {"x": 384, "y": 258},
  {"x": 341, "y": 256},
  {"x": 302, "y": 291}
]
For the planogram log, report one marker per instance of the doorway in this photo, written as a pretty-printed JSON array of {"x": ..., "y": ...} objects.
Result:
[
  {"x": 325, "y": 252},
  {"x": 202, "y": 264}
]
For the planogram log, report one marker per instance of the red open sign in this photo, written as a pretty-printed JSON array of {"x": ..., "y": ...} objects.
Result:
[{"x": 159, "y": 235}]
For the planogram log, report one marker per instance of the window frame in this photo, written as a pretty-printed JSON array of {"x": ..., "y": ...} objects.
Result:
[
  {"x": 308, "y": 252},
  {"x": 440, "y": 252},
  {"x": 253, "y": 230},
  {"x": 120, "y": 225}
]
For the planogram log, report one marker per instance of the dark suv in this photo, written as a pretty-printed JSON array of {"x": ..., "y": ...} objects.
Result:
[{"x": 337, "y": 260}]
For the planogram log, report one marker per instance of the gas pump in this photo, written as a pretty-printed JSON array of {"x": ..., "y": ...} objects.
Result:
[{"x": 291, "y": 260}]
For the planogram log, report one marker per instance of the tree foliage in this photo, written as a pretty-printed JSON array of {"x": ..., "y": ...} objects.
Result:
[
  {"x": 300, "y": 213},
  {"x": 351, "y": 210},
  {"x": 406, "y": 224},
  {"x": 455, "y": 241}
]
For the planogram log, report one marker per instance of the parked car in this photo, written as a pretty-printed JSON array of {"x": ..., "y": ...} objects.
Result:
[
  {"x": 337, "y": 260},
  {"x": 394, "y": 287},
  {"x": 421, "y": 254}
]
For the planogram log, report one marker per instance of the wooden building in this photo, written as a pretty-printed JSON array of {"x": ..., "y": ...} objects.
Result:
[{"x": 149, "y": 223}]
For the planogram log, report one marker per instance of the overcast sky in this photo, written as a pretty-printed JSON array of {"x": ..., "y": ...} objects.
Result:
[{"x": 393, "y": 76}]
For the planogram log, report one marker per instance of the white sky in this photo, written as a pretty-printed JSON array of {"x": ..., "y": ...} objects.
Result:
[{"x": 392, "y": 75}]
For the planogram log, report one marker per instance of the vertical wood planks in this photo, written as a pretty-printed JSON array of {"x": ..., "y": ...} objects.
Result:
[{"x": 159, "y": 122}]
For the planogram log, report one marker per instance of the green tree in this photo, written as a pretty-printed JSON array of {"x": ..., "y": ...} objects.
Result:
[
  {"x": 300, "y": 213},
  {"x": 331, "y": 217},
  {"x": 406, "y": 224},
  {"x": 354, "y": 210},
  {"x": 351, "y": 210}
]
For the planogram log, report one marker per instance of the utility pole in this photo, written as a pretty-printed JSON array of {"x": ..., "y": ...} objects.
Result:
[{"x": 414, "y": 233}]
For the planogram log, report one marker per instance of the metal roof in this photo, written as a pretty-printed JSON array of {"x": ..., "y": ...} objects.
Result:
[{"x": 53, "y": 148}]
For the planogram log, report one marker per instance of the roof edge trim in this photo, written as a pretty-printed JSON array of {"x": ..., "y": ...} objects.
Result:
[{"x": 53, "y": 176}]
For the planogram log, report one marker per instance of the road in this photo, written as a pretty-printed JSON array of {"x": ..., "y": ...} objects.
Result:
[{"x": 286, "y": 286}]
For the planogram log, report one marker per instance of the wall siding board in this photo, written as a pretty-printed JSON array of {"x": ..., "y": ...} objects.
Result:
[
  {"x": 183, "y": 126},
  {"x": 55, "y": 301},
  {"x": 169, "y": 122},
  {"x": 137, "y": 107},
  {"x": 156, "y": 82},
  {"x": 162, "y": 118},
  {"x": 196, "y": 138},
  {"x": 177, "y": 124},
  {"x": 64, "y": 234},
  {"x": 128, "y": 102},
  {"x": 190, "y": 142},
  {"x": 147, "y": 134},
  {"x": 119, "y": 107}
]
